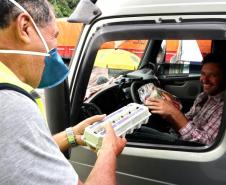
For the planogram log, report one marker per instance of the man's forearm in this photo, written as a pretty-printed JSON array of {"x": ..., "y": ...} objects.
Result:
[
  {"x": 178, "y": 119},
  {"x": 104, "y": 170},
  {"x": 106, "y": 163},
  {"x": 61, "y": 140}
]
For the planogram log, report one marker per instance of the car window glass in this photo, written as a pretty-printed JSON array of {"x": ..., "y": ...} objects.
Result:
[
  {"x": 114, "y": 59},
  {"x": 179, "y": 55}
]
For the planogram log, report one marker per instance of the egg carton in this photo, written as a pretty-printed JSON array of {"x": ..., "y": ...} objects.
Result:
[{"x": 123, "y": 121}]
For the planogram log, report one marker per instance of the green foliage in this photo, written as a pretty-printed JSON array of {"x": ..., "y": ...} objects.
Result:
[{"x": 64, "y": 8}]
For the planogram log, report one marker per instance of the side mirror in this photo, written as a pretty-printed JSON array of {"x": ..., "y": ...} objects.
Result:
[{"x": 85, "y": 12}]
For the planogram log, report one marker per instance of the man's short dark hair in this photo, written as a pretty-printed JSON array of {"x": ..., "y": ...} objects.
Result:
[
  {"x": 218, "y": 59},
  {"x": 39, "y": 10}
]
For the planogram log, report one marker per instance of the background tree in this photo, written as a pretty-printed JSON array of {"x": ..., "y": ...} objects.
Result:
[{"x": 64, "y": 8}]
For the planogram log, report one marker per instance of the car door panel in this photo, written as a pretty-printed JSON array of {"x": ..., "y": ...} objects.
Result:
[{"x": 135, "y": 169}]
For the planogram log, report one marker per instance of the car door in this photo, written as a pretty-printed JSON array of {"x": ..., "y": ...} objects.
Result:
[{"x": 143, "y": 163}]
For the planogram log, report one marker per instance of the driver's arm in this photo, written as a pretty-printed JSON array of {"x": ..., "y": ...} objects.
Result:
[{"x": 167, "y": 109}]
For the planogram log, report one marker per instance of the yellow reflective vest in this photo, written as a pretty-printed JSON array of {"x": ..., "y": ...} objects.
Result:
[{"x": 9, "y": 79}]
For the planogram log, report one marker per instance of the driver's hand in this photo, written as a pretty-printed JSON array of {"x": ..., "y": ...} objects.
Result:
[
  {"x": 112, "y": 143},
  {"x": 163, "y": 107},
  {"x": 167, "y": 96},
  {"x": 79, "y": 128}
]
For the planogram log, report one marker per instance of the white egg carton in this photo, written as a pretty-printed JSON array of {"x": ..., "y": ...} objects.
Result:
[{"x": 123, "y": 121}]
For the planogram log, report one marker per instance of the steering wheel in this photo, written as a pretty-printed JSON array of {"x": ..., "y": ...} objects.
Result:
[
  {"x": 90, "y": 109},
  {"x": 134, "y": 91}
]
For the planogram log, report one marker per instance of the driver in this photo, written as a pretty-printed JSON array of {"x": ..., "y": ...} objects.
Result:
[{"x": 202, "y": 122}]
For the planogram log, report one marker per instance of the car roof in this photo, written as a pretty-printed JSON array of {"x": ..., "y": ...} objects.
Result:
[{"x": 142, "y": 7}]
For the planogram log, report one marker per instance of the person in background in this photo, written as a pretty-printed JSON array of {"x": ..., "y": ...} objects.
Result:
[{"x": 29, "y": 154}]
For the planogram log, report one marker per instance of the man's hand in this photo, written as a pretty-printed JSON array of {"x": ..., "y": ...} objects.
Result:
[
  {"x": 163, "y": 107},
  {"x": 167, "y": 109},
  {"x": 111, "y": 142},
  {"x": 104, "y": 169},
  {"x": 79, "y": 128}
]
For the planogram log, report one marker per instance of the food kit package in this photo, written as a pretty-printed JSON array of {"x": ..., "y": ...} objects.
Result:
[{"x": 151, "y": 91}]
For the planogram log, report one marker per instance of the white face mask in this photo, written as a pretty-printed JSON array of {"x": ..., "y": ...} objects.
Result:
[{"x": 39, "y": 34}]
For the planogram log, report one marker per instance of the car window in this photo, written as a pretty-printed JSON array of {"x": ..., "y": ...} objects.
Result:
[
  {"x": 185, "y": 50},
  {"x": 117, "y": 62}
]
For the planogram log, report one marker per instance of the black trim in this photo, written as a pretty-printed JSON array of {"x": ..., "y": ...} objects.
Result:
[
  {"x": 7, "y": 86},
  {"x": 34, "y": 94}
]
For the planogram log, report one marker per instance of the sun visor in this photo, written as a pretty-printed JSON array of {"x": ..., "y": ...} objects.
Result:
[{"x": 85, "y": 12}]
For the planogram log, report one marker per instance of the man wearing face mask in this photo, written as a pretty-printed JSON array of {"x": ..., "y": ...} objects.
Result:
[{"x": 29, "y": 154}]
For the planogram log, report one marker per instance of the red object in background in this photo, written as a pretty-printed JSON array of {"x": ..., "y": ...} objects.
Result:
[
  {"x": 68, "y": 37},
  {"x": 169, "y": 55},
  {"x": 65, "y": 51}
]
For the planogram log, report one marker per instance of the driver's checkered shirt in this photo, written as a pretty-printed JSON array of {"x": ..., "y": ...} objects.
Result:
[{"x": 204, "y": 119}]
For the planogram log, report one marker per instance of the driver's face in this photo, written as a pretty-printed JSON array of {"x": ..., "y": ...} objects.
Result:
[{"x": 212, "y": 79}]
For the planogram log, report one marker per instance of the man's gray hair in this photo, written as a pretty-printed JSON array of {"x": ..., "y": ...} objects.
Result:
[{"x": 40, "y": 11}]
